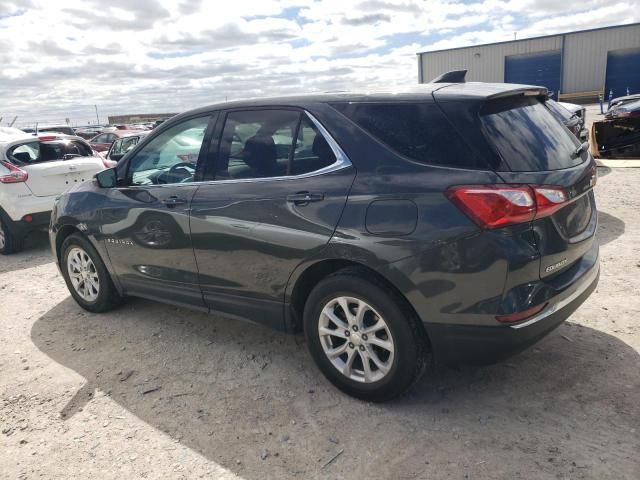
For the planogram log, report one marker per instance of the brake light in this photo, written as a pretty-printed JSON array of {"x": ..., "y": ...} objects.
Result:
[
  {"x": 15, "y": 175},
  {"x": 496, "y": 206},
  {"x": 47, "y": 138},
  {"x": 549, "y": 200}
]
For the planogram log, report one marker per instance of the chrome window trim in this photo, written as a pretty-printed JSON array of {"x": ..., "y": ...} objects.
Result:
[{"x": 342, "y": 161}]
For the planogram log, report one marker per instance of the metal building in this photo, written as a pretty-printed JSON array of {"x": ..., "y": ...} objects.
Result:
[{"x": 574, "y": 65}]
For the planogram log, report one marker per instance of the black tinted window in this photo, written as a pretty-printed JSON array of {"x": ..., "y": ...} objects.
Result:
[
  {"x": 419, "y": 131},
  {"x": 527, "y": 135}
]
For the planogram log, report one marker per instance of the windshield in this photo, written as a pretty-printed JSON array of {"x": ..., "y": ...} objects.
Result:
[{"x": 527, "y": 135}]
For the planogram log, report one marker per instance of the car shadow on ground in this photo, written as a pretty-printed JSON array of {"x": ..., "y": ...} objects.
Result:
[
  {"x": 609, "y": 228},
  {"x": 251, "y": 400},
  {"x": 36, "y": 252}
]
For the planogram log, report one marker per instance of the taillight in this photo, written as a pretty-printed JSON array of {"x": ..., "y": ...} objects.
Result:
[
  {"x": 15, "y": 175},
  {"x": 549, "y": 200},
  {"x": 495, "y": 206}
]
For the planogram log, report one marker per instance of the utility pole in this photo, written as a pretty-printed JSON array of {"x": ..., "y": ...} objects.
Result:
[
  {"x": 13, "y": 121},
  {"x": 515, "y": 35},
  {"x": 97, "y": 117}
]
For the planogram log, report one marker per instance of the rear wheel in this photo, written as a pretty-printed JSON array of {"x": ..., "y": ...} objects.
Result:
[
  {"x": 363, "y": 337},
  {"x": 9, "y": 241},
  {"x": 86, "y": 276}
]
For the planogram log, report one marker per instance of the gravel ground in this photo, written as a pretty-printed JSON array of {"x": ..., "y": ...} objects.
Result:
[{"x": 153, "y": 391}]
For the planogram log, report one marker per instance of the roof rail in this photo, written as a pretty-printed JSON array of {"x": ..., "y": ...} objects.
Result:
[{"x": 454, "y": 76}]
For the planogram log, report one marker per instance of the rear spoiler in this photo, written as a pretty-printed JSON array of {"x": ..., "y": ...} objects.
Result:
[
  {"x": 526, "y": 92},
  {"x": 454, "y": 76}
]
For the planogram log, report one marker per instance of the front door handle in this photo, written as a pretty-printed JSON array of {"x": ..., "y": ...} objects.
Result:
[
  {"x": 302, "y": 198},
  {"x": 174, "y": 201}
]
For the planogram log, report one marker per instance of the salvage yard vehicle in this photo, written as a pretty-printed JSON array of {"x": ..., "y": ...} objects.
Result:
[
  {"x": 33, "y": 172},
  {"x": 122, "y": 145},
  {"x": 618, "y": 135},
  {"x": 449, "y": 222},
  {"x": 570, "y": 120}
]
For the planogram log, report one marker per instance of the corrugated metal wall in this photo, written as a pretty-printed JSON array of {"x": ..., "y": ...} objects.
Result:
[
  {"x": 585, "y": 56},
  {"x": 485, "y": 64},
  {"x": 584, "y": 59}
]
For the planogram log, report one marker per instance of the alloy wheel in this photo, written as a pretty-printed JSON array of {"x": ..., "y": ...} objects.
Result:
[
  {"x": 356, "y": 339},
  {"x": 83, "y": 274}
]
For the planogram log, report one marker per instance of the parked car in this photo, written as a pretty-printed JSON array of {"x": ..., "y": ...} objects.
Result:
[
  {"x": 571, "y": 120},
  {"x": 64, "y": 129},
  {"x": 453, "y": 222},
  {"x": 618, "y": 135},
  {"x": 578, "y": 110},
  {"x": 103, "y": 141},
  {"x": 33, "y": 172},
  {"x": 123, "y": 145}
]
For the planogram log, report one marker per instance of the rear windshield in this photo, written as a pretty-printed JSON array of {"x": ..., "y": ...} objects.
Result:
[
  {"x": 418, "y": 131},
  {"x": 37, "y": 152},
  {"x": 527, "y": 135}
]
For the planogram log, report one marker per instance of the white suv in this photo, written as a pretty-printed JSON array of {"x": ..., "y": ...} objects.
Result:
[{"x": 33, "y": 172}]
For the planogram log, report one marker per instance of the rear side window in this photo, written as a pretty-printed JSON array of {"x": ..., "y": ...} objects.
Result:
[
  {"x": 418, "y": 131},
  {"x": 527, "y": 135},
  {"x": 37, "y": 152}
]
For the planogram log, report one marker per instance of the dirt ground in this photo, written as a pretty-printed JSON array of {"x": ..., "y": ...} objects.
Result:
[{"x": 152, "y": 391}]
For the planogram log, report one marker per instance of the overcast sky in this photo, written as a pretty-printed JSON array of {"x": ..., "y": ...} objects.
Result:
[{"x": 60, "y": 57}]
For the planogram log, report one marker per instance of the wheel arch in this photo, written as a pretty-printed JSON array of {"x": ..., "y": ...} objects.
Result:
[{"x": 312, "y": 274}]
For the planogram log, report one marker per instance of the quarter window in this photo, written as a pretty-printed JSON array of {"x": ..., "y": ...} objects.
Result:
[
  {"x": 171, "y": 157},
  {"x": 418, "y": 131}
]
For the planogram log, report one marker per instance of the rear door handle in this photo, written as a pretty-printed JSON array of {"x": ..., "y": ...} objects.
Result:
[
  {"x": 302, "y": 198},
  {"x": 174, "y": 201}
]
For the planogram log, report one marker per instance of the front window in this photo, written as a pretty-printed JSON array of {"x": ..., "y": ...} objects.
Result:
[{"x": 171, "y": 157}]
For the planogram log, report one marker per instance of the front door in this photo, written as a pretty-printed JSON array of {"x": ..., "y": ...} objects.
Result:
[
  {"x": 145, "y": 222},
  {"x": 273, "y": 199}
]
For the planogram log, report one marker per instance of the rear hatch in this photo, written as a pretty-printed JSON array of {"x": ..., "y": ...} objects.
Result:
[
  {"x": 55, "y": 166},
  {"x": 532, "y": 147}
]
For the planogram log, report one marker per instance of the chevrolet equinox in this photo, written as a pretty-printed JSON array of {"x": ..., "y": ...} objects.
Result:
[{"x": 448, "y": 222}]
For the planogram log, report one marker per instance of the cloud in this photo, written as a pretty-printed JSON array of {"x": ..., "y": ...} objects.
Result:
[{"x": 61, "y": 58}]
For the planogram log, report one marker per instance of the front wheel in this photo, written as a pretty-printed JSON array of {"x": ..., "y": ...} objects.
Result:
[
  {"x": 86, "y": 276},
  {"x": 363, "y": 337}
]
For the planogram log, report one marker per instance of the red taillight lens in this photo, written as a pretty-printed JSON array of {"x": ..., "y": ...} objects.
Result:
[
  {"x": 495, "y": 206},
  {"x": 549, "y": 200},
  {"x": 47, "y": 138},
  {"x": 15, "y": 175},
  {"x": 519, "y": 316}
]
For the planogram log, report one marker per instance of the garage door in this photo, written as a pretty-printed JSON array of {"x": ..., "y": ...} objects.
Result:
[
  {"x": 623, "y": 71},
  {"x": 540, "y": 68}
]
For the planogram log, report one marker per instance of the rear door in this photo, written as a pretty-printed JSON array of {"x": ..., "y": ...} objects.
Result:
[
  {"x": 273, "y": 198},
  {"x": 538, "y": 150},
  {"x": 55, "y": 166}
]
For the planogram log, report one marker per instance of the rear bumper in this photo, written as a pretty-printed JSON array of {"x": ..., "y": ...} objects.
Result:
[
  {"x": 466, "y": 344},
  {"x": 39, "y": 221}
]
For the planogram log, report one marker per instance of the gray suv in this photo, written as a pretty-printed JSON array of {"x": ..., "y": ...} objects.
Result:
[{"x": 451, "y": 222}]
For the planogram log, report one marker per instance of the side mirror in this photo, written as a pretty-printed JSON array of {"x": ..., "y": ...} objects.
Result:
[
  {"x": 116, "y": 157},
  {"x": 107, "y": 178}
]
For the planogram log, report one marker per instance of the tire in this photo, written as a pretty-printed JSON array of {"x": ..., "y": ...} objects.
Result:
[
  {"x": 9, "y": 241},
  {"x": 88, "y": 282},
  {"x": 405, "y": 354}
]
